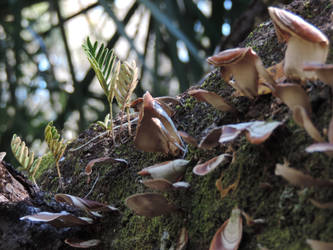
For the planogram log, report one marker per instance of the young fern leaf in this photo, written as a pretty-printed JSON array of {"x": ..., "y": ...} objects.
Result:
[
  {"x": 24, "y": 157},
  {"x": 127, "y": 81},
  {"x": 106, "y": 66},
  {"x": 56, "y": 145}
]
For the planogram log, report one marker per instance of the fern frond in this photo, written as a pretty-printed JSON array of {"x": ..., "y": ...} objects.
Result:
[
  {"x": 56, "y": 145},
  {"x": 24, "y": 157},
  {"x": 127, "y": 81},
  {"x": 105, "y": 64}
]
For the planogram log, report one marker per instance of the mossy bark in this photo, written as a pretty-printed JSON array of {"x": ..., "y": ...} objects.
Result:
[{"x": 289, "y": 217}]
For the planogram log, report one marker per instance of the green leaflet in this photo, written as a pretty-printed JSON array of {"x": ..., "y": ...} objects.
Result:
[
  {"x": 24, "y": 157},
  {"x": 117, "y": 79}
]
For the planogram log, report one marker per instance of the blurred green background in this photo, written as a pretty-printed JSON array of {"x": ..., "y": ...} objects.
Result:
[{"x": 45, "y": 76}]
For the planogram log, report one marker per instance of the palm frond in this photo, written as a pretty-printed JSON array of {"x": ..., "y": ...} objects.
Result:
[
  {"x": 56, "y": 145},
  {"x": 25, "y": 157}
]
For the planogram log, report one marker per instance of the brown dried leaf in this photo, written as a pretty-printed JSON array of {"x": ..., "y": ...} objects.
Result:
[
  {"x": 188, "y": 139},
  {"x": 169, "y": 170},
  {"x": 211, "y": 140},
  {"x": 212, "y": 98},
  {"x": 257, "y": 131},
  {"x": 210, "y": 165},
  {"x": 293, "y": 95},
  {"x": 164, "y": 185},
  {"x": 2, "y": 156},
  {"x": 229, "y": 234},
  {"x": 82, "y": 243},
  {"x": 89, "y": 206},
  {"x": 91, "y": 163},
  {"x": 63, "y": 219},
  {"x": 320, "y": 147},
  {"x": 225, "y": 191},
  {"x": 303, "y": 120},
  {"x": 319, "y": 245},
  {"x": 149, "y": 204},
  {"x": 297, "y": 178},
  {"x": 156, "y": 131},
  {"x": 327, "y": 205},
  {"x": 182, "y": 239}
]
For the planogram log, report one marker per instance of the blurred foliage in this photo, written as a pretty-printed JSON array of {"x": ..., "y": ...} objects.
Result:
[{"x": 31, "y": 33}]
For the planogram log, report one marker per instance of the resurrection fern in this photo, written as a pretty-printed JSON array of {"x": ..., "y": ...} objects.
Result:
[
  {"x": 24, "y": 157},
  {"x": 106, "y": 66},
  {"x": 116, "y": 78},
  {"x": 127, "y": 81},
  {"x": 56, "y": 145}
]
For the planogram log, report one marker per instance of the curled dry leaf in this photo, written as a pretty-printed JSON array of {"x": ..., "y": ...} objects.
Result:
[
  {"x": 244, "y": 65},
  {"x": 211, "y": 140},
  {"x": 229, "y": 234},
  {"x": 91, "y": 163},
  {"x": 156, "y": 131},
  {"x": 257, "y": 131},
  {"x": 188, "y": 138},
  {"x": 323, "y": 71},
  {"x": 210, "y": 165},
  {"x": 293, "y": 95},
  {"x": 303, "y": 120},
  {"x": 327, "y": 205},
  {"x": 319, "y": 245},
  {"x": 91, "y": 207},
  {"x": 138, "y": 104},
  {"x": 182, "y": 239},
  {"x": 305, "y": 43},
  {"x": 212, "y": 98},
  {"x": 149, "y": 204},
  {"x": 169, "y": 170},
  {"x": 82, "y": 243},
  {"x": 297, "y": 178},
  {"x": 320, "y": 147},
  {"x": 164, "y": 185},
  {"x": 63, "y": 219}
]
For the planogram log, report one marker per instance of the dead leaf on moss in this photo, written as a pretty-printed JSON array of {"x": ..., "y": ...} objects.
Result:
[
  {"x": 188, "y": 138},
  {"x": 82, "y": 243},
  {"x": 225, "y": 191},
  {"x": 156, "y": 131},
  {"x": 149, "y": 204},
  {"x": 169, "y": 170},
  {"x": 211, "y": 140},
  {"x": 161, "y": 184},
  {"x": 63, "y": 219},
  {"x": 303, "y": 120},
  {"x": 229, "y": 234},
  {"x": 297, "y": 178},
  {"x": 91, "y": 207},
  {"x": 293, "y": 95},
  {"x": 319, "y": 245},
  {"x": 212, "y": 98},
  {"x": 327, "y": 205},
  {"x": 210, "y": 165},
  {"x": 91, "y": 163},
  {"x": 182, "y": 239},
  {"x": 256, "y": 132}
]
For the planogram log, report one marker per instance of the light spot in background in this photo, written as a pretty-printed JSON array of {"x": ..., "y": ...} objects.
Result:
[
  {"x": 205, "y": 7},
  {"x": 182, "y": 51},
  {"x": 198, "y": 27},
  {"x": 227, "y": 4},
  {"x": 43, "y": 63},
  {"x": 226, "y": 29}
]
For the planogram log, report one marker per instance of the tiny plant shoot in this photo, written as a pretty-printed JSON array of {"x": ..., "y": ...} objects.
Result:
[{"x": 117, "y": 79}]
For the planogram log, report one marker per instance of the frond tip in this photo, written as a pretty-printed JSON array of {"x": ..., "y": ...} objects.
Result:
[
  {"x": 56, "y": 145},
  {"x": 24, "y": 157}
]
